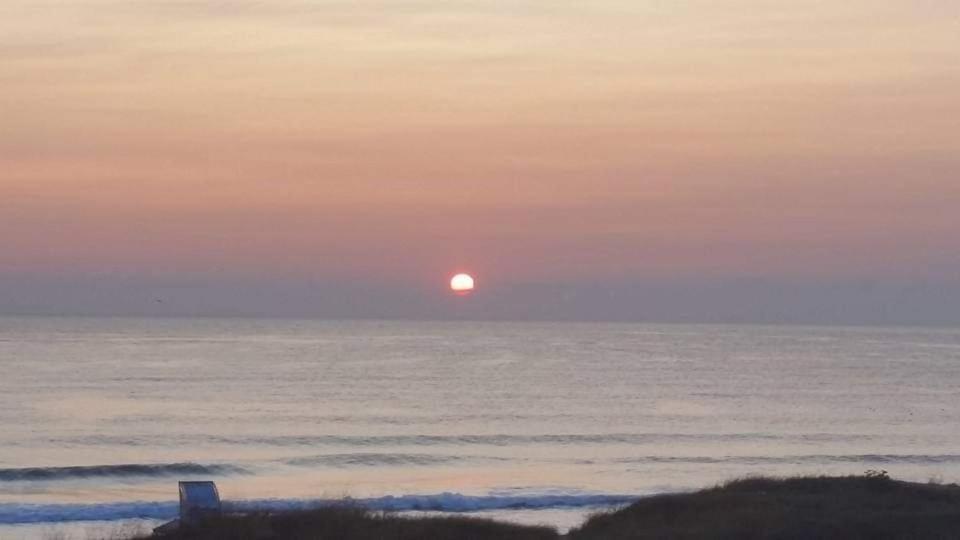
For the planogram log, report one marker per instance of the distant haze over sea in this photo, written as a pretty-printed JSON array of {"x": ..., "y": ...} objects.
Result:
[{"x": 689, "y": 300}]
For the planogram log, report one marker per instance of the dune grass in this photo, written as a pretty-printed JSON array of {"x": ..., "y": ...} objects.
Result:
[
  {"x": 356, "y": 523},
  {"x": 872, "y": 506}
]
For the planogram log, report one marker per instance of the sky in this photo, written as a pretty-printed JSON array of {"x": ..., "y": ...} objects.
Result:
[{"x": 649, "y": 160}]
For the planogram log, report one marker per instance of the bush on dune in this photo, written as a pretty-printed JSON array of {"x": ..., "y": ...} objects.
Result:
[{"x": 856, "y": 507}]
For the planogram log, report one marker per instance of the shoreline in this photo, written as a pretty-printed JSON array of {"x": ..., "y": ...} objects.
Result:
[{"x": 872, "y": 505}]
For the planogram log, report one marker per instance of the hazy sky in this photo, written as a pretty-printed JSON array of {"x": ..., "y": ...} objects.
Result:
[{"x": 716, "y": 160}]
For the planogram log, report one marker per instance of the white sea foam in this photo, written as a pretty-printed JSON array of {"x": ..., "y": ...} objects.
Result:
[{"x": 12, "y": 513}]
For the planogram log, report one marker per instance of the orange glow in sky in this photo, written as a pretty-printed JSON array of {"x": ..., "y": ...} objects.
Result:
[{"x": 595, "y": 141}]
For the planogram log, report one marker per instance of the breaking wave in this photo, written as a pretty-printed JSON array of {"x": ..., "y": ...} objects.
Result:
[
  {"x": 33, "y": 474},
  {"x": 361, "y": 441},
  {"x": 16, "y": 514},
  {"x": 815, "y": 459},
  {"x": 367, "y": 459}
]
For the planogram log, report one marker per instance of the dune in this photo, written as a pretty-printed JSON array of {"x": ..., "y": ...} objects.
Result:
[{"x": 872, "y": 506}]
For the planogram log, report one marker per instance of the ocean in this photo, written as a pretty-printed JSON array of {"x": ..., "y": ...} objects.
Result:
[{"x": 530, "y": 422}]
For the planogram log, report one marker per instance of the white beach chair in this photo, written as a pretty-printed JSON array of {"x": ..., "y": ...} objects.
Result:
[{"x": 198, "y": 501}]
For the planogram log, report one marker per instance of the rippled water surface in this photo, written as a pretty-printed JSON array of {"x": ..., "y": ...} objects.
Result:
[{"x": 534, "y": 422}]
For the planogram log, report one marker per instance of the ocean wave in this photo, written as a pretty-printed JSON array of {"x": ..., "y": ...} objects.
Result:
[
  {"x": 361, "y": 441},
  {"x": 21, "y": 514},
  {"x": 814, "y": 459},
  {"x": 366, "y": 459},
  {"x": 515, "y": 439},
  {"x": 16, "y": 514},
  {"x": 33, "y": 474}
]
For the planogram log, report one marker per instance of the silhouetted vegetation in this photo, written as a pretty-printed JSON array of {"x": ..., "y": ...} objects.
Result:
[
  {"x": 354, "y": 523},
  {"x": 871, "y": 506}
]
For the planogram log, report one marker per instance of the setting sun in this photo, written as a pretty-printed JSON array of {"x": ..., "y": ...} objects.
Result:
[{"x": 462, "y": 284}]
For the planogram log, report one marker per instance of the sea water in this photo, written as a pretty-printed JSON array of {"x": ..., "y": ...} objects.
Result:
[{"x": 534, "y": 423}]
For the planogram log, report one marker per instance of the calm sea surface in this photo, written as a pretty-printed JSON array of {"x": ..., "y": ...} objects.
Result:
[{"x": 532, "y": 422}]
